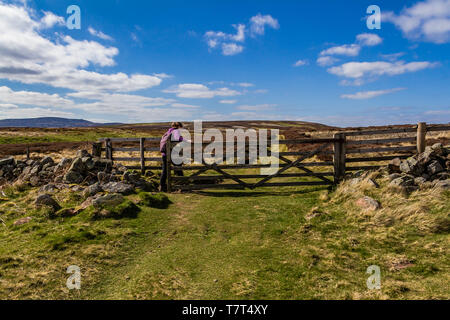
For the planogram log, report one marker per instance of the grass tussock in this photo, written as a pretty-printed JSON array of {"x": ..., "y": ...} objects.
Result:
[{"x": 158, "y": 200}]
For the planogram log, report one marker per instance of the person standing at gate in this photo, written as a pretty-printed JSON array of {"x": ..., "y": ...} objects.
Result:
[{"x": 174, "y": 134}]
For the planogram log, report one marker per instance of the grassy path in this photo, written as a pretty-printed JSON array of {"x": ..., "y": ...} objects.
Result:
[
  {"x": 261, "y": 244},
  {"x": 220, "y": 246}
]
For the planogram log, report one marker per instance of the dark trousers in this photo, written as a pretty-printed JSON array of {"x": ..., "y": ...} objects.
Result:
[{"x": 163, "y": 181}]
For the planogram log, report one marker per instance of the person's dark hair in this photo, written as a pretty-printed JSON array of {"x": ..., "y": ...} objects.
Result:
[{"x": 177, "y": 125}]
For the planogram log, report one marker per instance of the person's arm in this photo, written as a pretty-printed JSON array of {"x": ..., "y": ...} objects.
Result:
[{"x": 176, "y": 136}]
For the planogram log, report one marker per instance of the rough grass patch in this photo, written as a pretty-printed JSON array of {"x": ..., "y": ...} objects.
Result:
[
  {"x": 159, "y": 200},
  {"x": 126, "y": 209}
]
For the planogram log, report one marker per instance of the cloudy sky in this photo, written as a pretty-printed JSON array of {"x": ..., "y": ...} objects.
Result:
[{"x": 145, "y": 61}]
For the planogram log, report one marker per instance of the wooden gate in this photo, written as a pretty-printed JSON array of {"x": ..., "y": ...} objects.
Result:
[
  {"x": 304, "y": 162},
  {"x": 303, "y": 169}
]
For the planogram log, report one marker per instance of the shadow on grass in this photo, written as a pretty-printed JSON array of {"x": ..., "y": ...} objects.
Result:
[{"x": 250, "y": 193}]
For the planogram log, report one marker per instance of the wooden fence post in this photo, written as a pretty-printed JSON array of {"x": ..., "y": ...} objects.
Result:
[
  {"x": 142, "y": 149},
  {"x": 97, "y": 150},
  {"x": 109, "y": 152},
  {"x": 169, "y": 163},
  {"x": 421, "y": 134},
  {"x": 339, "y": 157}
]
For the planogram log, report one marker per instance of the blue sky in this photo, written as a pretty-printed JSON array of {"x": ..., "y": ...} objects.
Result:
[{"x": 136, "y": 61}]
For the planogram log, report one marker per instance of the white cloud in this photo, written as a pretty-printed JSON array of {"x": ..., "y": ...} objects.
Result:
[
  {"x": 231, "y": 49},
  {"x": 228, "y": 42},
  {"x": 351, "y": 50},
  {"x": 28, "y": 57},
  {"x": 20, "y": 113},
  {"x": 259, "y": 22},
  {"x": 438, "y": 112},
  {"x": 257, "y": 107},
  {"x": 326, "y": 57},
  {"x": 49, "y": 20},
  {"x": 214, "y": 37},
  {"x": 182, "y": 105},
  {"x": 427, "y": 20},
  {"x": 99, "y": 34},
  {"x": 357, "y": 70},
  {"x": 8, "y": 96},
  {"x": 120, "y": 100},
  {"x": 246, "y": 84},
  {"x": 300, "y": 63},
  {"x": 8, "y": 106},
  {"x": 369, "y": 39},
  {"x": 326, "y": 61},
  {"x": 363, "y": 95},
  {"x": 200, "y": 91},
  {"x": 392, "y": 56},
  {"x": 228, "y": 101}
]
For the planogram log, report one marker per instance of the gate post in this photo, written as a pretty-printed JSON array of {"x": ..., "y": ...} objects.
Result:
[
  {"x": 97, "y": 150},
  {"x": 421, "y": 134},
  {"x": 109, "y": 151},
  {"x": 169, "y": 163},
  {"x": 339, "y": 157},
  {"x": 142, "y": 149}
]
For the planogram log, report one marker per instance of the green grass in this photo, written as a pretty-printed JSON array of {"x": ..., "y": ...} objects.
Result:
[{"x": 230, "y": 245}]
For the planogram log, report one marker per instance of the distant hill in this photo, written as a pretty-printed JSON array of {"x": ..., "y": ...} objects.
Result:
[{"x": 50, "y": 123}]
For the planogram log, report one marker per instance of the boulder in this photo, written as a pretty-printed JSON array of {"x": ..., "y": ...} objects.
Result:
[
  {"x": 394, "y": 165},
  {"x": 35, "y": 169},
  {"x": 102, "y": 164},
  {"x": 136, "y": 180},
  {"x": 47, "y": 160},
  {"x": 63, "y": 165},
  {"x": 425, "y": 157},
  {"x": 411, "y": 166},
  {"x": 7, "y": 161},
  {"x": 368, "y": 203},
  {"x": 434, "y": 167},
  {"x": 109, "y": 200},
  {"x": 26, "y": 170},
  {"x": 438, "y": 150},
  {"x": 92, "y": 190},
  {"x": 88, "y": 163},
  {"x": 48, "y": 188},
  {"x": 47, "y": 200},
  {"x": 77, "y": 166},
  {"x": 83, "y": 154},
  {"x": 73, "y": 177},
  {"x": 35, "y": 181},
  {"x": 403, "y": 181},
  {"x": 118, "y": 187}
]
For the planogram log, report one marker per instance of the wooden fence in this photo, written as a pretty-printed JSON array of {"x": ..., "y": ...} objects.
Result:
[{"x": 307, "y": 162}]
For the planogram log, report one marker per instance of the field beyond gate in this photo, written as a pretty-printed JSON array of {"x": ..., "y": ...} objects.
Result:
[{"x": 302, "y": 162}]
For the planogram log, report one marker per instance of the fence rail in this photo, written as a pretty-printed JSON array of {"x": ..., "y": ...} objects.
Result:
[{"x": 344, "y": 152}]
